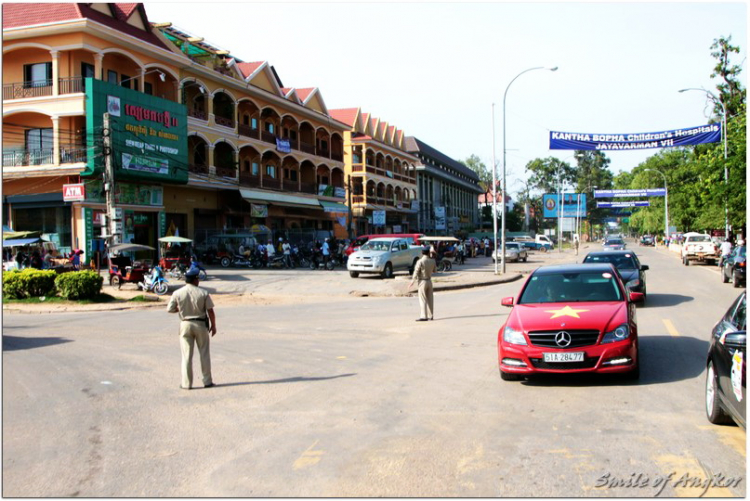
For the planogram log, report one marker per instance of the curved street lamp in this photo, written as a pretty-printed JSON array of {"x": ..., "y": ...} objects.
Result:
[
  {"x": 724, "y": 133},
  {"x": 666, "y": 202},
  {"x": 494, "y": 181}
]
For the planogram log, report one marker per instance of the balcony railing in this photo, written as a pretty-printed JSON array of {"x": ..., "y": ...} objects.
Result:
[
  {"x": 196, "y": 113},
  {"x": 22, "y": 90},
  {"x": 71, "y": 85},
  {"x": 307, "y": 148},
  {"x": 72, "y": 154},
  {"x": 290, "y": 185},
  {"x": 337, "y": 156},
  {"x": 22, "y": 158},
  {"x": 246, "y": 179},
  {"x": 248, "y": 131},
  {"x": 309, "y": 188},
  {"x": 268, "y": 137},
  {"x": 226, "y": 172},
  {"x": 198, "y": 169},
  {"x": 226, "y": 122},
  {"x": 323, "y": 153},
  {"x": 358, "y": 199},
  {"x": 358, "y": 168},
  {"x": 274, "y": 184}
]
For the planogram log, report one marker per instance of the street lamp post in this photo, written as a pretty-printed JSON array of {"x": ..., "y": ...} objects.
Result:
[
  {"x": 726, "y": 168},
  {"x": 666, "y": 202},
  {"x": 502, "y": 250}
]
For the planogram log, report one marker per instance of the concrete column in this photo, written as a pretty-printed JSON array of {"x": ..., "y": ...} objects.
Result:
[
  {"x": 55, "y": 141},
  {"x": 55, "y": 72},
  {"x": 211, "y": 164},
  {"x": 98, "y": 66},
  {"x": 142, "y": 81}
]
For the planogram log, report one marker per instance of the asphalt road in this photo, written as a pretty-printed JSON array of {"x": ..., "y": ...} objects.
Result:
[{"x": 353, "y": 398}]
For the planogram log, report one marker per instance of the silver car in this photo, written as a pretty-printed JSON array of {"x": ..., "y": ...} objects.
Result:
[
  {"x": 514, "y": 252},
  {"x": 614, "y": 244}
]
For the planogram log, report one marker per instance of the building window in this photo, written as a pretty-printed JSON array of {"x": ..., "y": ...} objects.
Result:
[
  {"x": 148, "y": 88},
  {"x": 125, "y": 81},
  {"x": 271, "y": 171},
  {"x": 269, "y": 127},
  {"x": 290, "y": 175},
  {"x": 293, "y": 135},
  {"x": 112, "y": 77},
  {"x": 357, "y": 159},
  {"x": 37, "y": 75},
  {"x": 38, "y": 139},
  {"x": 256, "y": 168},
  {"x": 254, "y": 123}
]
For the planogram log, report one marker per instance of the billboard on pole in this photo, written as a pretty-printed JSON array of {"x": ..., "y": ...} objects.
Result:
[{"x": 573, "y": 205}]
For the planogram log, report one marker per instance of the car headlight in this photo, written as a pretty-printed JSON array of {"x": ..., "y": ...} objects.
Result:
[
  {"x": 512, "y": 336},
  {"x": 633, "y": 283},
  {"x": 620, "y": 333}
]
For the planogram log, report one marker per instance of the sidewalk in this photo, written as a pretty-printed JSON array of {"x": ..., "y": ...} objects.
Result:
[{"x": 234, "y": 286}]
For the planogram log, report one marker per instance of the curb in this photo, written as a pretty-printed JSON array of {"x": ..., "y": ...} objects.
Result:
[{"x": 502, "y": 280}]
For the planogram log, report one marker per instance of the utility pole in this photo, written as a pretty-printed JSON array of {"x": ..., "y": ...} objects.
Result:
[
  {"x": 109, "y": 181},
  {"x": 351, "y": 209}
]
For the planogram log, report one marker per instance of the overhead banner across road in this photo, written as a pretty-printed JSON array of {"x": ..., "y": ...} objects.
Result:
[
  {"x": 637, "y": 141},
  {"x": 611, "y": 205},
  {"x": 647, "y": 192}
]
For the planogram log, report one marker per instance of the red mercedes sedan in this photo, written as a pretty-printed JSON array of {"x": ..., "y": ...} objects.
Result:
[{"x": 570, "y": 319}]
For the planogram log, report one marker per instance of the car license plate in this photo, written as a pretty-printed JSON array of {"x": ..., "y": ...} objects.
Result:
[{"x": 564, "y": 357}]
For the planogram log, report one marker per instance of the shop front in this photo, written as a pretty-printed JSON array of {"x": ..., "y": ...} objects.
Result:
[{"x": 46, "y": 213}]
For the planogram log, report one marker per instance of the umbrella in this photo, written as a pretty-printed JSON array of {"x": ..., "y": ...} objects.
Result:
[
  {"x": 175, "y": 240},
  {"x": 19, "y": 242},
  {"x": 129, "y": 248}
]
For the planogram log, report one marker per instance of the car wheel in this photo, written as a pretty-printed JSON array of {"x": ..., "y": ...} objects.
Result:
[
  {"x": 354, "y": 274},
  {"x": 714, "y": 412},
  {"x": 387, "y": 271},
  {"x": 507, "y": 376},
  {"x": 543, "y": 249},
  {"x": 525, "y": 259},
  {"x": 225, "y": 262},
  {"x": 202, "y": 275},
  {"x": 736, "y": 280},
  {"x": 724, "y": 277},
  {"x": 115, "y": 281}
]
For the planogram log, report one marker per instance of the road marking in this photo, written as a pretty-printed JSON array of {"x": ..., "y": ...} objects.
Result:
[
  {"x": 340, "y": 358},
  {"x": 670, "y": 327},
  {"x": 690, "y": 478},
  {"x": 309, "y": 457},
  {"x": 734, "y": 437}
]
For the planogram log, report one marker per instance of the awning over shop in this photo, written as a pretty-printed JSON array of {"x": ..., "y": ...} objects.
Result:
[
  {"x": 263, "y": 197},
  {"x": 20, "y": 242},
  {"x": 333, "y": 206}
]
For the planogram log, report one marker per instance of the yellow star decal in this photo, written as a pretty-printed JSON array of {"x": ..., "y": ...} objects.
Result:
[{"x": 565, "y": 312}]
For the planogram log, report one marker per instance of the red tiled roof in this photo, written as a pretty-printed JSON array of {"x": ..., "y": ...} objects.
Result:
[
  {"x": 346, "y": 116},
  {"x": 390, "y": 130},
  {"x": 304, "y": 93},
  {"x": 286, "y": 90},
  {"x": 16, "y": 15},
  {"x": 248, "y": 69},
  {"x": 381, "y": 128}
]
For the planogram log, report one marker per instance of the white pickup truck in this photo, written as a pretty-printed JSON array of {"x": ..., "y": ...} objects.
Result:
[
  {"x": 384, "y": 256},
  {"x": 699, "y": 247}
]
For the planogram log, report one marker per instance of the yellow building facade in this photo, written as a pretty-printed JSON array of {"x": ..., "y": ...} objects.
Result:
[{"x": 258, "y": 154}]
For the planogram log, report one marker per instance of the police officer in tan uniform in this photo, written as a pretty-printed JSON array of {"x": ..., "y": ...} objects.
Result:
[
  {"x": 196, "y": 309},
  {"x": 423, "y": 271}
]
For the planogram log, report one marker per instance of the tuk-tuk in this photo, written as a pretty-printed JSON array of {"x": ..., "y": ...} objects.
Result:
[
  {"x": 440, "y": 244},
  {"x": 122, "y": 269},
  {"x": 171, "y": 257}
]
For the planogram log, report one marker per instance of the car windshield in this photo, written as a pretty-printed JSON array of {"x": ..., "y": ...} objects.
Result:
[
  {"x": 571, "y": 287},
  {"x": 621, "y": 261},
  {"x": 513, "y": 246},
  {"x": 377, "y": 245},
  {"x": 699, "y": 238},
  {"x": 614, "y": 241}
]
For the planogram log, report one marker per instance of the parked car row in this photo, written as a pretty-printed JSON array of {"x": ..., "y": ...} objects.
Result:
[{"x": 734, "y": 266}]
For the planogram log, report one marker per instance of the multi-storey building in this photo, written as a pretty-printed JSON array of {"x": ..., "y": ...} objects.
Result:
[
  {"x": 382, "y": 174},
  {"x": 447, "y": 191},
  {"x": 239, "y": 150}
]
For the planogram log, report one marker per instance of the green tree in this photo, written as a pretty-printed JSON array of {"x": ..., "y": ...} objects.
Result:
[
  {"x": 593, "y": 173},
  {"x": 483, "y": 172},
  {"x": 730, "y": 89}
]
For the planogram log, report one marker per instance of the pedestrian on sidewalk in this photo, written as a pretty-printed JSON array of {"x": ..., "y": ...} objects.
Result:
[
  {"x": 423, "y": 272},
  {"x": 197, "y": 319}
]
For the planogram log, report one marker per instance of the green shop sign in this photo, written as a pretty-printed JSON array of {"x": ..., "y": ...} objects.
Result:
[
  {"x": 149, "y": 134},
  {"x": 126, "y": 193}
]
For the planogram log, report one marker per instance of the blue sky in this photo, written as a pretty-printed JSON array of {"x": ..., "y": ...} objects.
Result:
[{"x": 434, "y": 69}]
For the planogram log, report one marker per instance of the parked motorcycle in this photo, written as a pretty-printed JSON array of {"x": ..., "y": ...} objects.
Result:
[
  {"x": 238, "y": 260},
  {"x": 155, "y": 282}
]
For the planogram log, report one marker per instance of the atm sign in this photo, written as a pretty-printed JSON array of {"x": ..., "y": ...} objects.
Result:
[{"x": 74, "y": 192}]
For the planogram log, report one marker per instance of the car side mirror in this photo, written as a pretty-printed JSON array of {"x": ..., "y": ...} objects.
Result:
[
  {"x": 644, "y": 267},
  {"x": 636, "y": 297},
  {"x": 508, "y": 301},
  {"x": 736, "y": 340}
]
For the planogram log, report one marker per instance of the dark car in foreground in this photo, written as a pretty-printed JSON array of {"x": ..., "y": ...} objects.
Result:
[
  {"x": 734, "y": 267},
  {"x": 570, "y": 319},
  {"x": 631, "y": 270},
  {"x": 726, "y": 366}
]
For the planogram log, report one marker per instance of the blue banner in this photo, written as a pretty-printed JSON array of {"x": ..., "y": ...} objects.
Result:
[
  {"x": 647, "y": 192},
  {"x": 638, "y": 141},
  {"x": 283, "y": 145},
  {"x": 573, "y": 205},
  {"x": 612, "y": 205}
]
